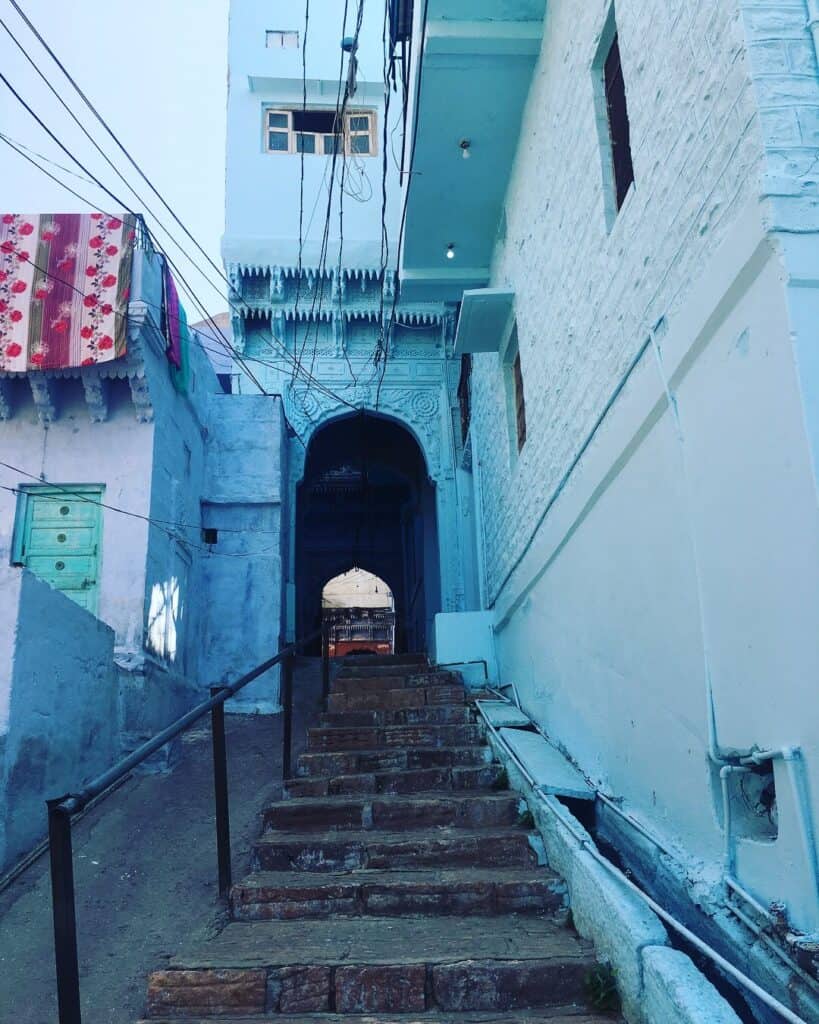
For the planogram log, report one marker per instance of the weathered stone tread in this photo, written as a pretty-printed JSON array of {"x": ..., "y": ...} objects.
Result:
[
  {"x": 392, "y": 759},
  {"x": 394, "y": 941},
  {"x": 386, "y": 811},
  {"x": 558, "y": 1015},
  {"x": 445, "y": 779},
  {"x": 409, "y": 848},
  {"x": 488, "y": 891}
]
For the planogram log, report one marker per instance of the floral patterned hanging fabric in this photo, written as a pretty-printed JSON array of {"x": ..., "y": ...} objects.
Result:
[{"x": 64, "y": 286}]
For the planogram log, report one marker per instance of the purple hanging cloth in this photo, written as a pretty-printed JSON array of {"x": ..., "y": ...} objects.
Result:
[{"x": 173, "y": 326}]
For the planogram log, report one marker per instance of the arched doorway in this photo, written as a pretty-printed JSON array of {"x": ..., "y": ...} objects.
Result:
[
  {"x": 366, "y": 501},
  {"x": 359, "y": 610}
]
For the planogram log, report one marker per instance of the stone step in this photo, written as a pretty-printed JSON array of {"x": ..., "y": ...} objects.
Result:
[
  {"x": 378, "y": 660},
  {"x": 283, "y": 895},
  {"x": 390, "y": 813},
  {"x": 369, "y": 698},
  {"x": 403, "y": 681},
  {"x": 419, "y": 780},
  {"x": 376, "y": 966},
  {"x": 576, "y": 1014},
  {"x": 355, "y": 851},
  {"x": 443, "y": 714},
  {"x": 373, "y": 737},
  {"x": 352, "y": 762}
]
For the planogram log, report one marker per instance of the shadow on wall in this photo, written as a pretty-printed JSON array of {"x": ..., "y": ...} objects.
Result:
[{"x": 58, "y": 705}]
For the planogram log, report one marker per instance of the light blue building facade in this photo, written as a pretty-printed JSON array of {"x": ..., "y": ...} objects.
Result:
[
  {"x": 311, "y": 248},
  {"x": 636, "y": 258}
]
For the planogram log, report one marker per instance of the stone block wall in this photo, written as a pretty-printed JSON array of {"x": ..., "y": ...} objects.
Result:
[
  {"x": 652, "y": 550},
  {"x": 586, "y": 297}
]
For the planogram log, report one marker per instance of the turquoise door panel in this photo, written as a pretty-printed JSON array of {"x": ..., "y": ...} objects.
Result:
[{"x": 61, "y": 540}]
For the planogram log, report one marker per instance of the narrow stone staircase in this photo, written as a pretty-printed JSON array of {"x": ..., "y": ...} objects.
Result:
[{"x": 398, "y": 882}]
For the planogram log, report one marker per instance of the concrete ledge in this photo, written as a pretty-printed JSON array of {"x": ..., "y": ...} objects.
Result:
[
  {"x": 673, "y": 989},
  {"x": 621, "y": 927},
  {"x": 657, "y": 984}
]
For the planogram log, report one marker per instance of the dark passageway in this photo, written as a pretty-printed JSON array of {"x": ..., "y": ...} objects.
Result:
[{"x": 366, "y": 501}]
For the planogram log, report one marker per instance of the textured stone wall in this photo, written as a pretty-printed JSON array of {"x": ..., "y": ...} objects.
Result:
[{"x": 586, "y": 298}]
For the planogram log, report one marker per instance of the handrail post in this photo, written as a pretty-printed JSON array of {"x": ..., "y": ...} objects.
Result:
[
  {"x": 287, "y": 716},
  {"x": 220, "y": 788},
  {"x": 325, "y": 658},
  {"x": 64, "y": 913}
]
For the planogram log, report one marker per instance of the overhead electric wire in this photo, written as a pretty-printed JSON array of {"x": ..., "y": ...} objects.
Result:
[
  {"x": 125, "y": 206},
  {"x": 410, "y": 173},
  {"x": 163, "y": 525},
  {"x": 229, "y": 347},
  {"x": 43, "y": 42}
]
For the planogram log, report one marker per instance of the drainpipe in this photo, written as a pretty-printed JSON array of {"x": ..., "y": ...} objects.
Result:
[
  {"x": 729, "y": 847},
  {"x": 797, "y": 774},
  {"x": 813, "y": 24}
]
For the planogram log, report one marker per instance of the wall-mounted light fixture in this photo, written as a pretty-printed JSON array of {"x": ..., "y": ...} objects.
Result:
[
  {"x": 450, "y": 251},
  {"x": 466, "y": 148}
]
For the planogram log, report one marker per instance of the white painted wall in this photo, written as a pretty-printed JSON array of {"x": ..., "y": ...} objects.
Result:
[
  {"x": 683, "y": 547},
  {"x": 262, "y": 218},
  {"x": 72, "y": 450}
]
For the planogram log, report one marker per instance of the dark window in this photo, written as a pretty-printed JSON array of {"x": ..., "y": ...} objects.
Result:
[
  {"x": 619, "y": 130},
  {"x": 520, "y": 402},
  {"x": 225, "y": 382},
  {"x": 322, "y": 122},
  {"x": 210, "y": 535},
  {"x": 464, "y": 394}
]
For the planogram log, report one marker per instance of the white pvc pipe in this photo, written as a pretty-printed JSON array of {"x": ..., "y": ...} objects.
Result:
[
  {"x": 765, "y": 997},
  {"x": 813, "y": 24}
]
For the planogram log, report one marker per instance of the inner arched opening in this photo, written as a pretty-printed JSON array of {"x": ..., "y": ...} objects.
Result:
[
  {"x": 366, "y": 502},
  {"x": 358, "y": 610}
]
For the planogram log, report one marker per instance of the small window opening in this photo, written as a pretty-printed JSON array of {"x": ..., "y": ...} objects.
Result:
[
  {"x": 320, "y": 132},
  {"x": 619, "y": 127},
  {"x": 465, "y": 394},
  {"x": 210, "y": 535},
  {"x": 281, "y": 39},
  {"x": 520, "y": 402},
  {"x": 515, "y": 400}
]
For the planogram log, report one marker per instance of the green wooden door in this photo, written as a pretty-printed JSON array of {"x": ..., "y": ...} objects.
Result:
[{"x": 60, "y": 539}]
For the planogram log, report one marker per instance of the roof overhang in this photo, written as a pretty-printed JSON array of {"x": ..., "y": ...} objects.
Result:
[
  {"x": 484, "y": 322},
  {"x": 475, "y": 74}
]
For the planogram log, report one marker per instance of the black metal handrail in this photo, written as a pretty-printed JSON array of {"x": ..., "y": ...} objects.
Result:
[{"x": 62, "y": 809}]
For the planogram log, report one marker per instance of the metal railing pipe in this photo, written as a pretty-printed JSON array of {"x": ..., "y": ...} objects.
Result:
[{"x": 62, "y": 809}]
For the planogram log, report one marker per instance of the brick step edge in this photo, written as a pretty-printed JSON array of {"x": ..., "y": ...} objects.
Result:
[
  {"x": 491, "y": 985},
  {"x": 477, "y": 778},
  {"x": 360, "y": 851},
  {"x": 435, "y": 714},
  {"x": 355, "y": 762},
  {"x": 572, "y": 1014},
  {"x": 349, "y": 896},
  {"x": 385, "y": 812},
  {"x": 329, "y": 740}
]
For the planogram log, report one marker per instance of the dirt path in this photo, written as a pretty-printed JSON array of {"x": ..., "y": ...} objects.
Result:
[{"x": 145, "y": 874}]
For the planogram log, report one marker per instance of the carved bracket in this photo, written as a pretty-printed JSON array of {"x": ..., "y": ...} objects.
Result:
[
  {"x": 97, "y": 390},
  {"x": 5, "y": 399},
  {"x": 44, "y": 393},
  {"x": 141, "y": 397}
]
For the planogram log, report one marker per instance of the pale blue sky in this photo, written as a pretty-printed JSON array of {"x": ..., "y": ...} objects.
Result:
[{"x": 156, "y": 70}]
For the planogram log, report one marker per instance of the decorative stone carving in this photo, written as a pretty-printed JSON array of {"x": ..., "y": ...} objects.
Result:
[
  {"x": 276, "y": 284},
  {"x": 237, "y": 322},
  {"x": 44, "y": 393},
  {"x": 6, "y": 408},
  {"x": 339, "y": 335},
  {"x": 141, "y": 397},
  {"x": 96, "y": 397}
]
